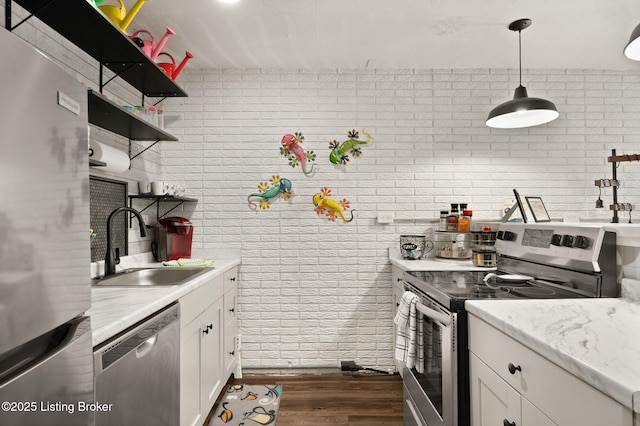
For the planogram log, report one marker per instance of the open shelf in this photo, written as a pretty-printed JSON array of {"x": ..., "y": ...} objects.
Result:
[
  {"x": 110, "y": 116},
  {"x": 157, "y": 199},
  {"x": 84, "y": 25}
]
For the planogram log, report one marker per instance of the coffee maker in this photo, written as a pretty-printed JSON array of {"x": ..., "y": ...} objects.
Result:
[{"x": 173, "y": 239}]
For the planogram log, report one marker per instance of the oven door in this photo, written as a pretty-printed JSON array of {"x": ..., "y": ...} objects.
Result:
[{"x": 431, "y": 387}]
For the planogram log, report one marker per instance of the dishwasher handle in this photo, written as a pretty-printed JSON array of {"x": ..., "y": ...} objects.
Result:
[
  {"x": 140, "y": 338},
  {"x": 145, "y": 347}
]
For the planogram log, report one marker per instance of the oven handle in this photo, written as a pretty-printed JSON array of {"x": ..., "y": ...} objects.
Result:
[{"x": 433, "y": 314}]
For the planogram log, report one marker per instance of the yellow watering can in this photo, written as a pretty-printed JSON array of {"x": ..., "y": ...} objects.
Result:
[{"x": 118, "y": 14}]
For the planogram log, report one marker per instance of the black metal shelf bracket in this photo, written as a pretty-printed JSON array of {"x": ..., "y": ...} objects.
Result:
[
  {"x": 128, "y": 66},
  {"x": 7, "y": 16},
  {"x": 156, "y": 202},
  {"x": 141, "y": 152}
]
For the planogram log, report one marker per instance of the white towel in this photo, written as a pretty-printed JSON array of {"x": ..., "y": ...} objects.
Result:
[{"x": 409, "y": 346}]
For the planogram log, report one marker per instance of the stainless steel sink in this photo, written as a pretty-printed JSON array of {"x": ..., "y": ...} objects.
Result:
[{"x": 150, "y": 277}]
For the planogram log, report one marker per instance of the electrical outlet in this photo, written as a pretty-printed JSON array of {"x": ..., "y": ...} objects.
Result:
[{"x": 385, "y": 218}]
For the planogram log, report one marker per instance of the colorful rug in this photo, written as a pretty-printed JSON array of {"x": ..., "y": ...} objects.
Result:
[{"x": 248, "y": 405}]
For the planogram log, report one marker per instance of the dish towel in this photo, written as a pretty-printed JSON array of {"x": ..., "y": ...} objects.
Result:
[
  {"x": 188, "y": 263},
  {"x": 409, "y": 347}
]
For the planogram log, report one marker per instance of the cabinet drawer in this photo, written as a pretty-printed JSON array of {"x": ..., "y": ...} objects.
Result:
[
  {"x": 230, "y": 279},
  {"x": 563, "y": 397},
  {"x": 194, "y": 303},
  {"x": 230, "y": 306}
]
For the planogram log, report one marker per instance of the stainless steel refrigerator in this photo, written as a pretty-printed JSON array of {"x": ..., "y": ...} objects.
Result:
[{"x": 46, "y": 366}]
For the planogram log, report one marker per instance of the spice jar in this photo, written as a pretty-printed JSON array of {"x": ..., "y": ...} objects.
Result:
[
  {"x": 442, "y": 225},
  {"x": 452, "y": 219},
  {"x": 464, "y": 222}
]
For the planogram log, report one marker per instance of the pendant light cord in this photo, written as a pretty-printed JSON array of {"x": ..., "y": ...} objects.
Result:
[{"x": 520, "y": 53}]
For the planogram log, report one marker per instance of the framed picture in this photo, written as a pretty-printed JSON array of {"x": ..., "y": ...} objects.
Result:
[{"x": 538, "y": 210}]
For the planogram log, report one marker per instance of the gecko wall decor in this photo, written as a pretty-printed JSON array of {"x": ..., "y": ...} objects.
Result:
[
  {"x": 340, "y": 151},
  {"x": 268, "y": 191},
  {"x": 330, "y": 207},
  {"x": 293, "y": 151}
]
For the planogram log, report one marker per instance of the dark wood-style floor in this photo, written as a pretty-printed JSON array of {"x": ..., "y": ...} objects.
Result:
[{"x": 353, "y": 399}]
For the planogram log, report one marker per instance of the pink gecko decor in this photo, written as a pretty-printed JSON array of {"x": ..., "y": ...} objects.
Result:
[{"x": 293, "y": 151}]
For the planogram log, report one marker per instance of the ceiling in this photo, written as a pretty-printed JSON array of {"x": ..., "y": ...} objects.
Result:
[{"x": 291, "y": 34}]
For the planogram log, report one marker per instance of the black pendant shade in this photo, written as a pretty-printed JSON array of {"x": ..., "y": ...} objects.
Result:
[
  {"x": 521, "y": 111},
  {"x": 632, "y": 49}
]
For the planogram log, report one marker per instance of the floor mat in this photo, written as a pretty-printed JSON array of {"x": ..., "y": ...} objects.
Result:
[{"x": 245, "y": 405}]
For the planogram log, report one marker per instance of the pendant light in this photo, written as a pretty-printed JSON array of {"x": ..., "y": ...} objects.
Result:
[
  {"x": 521, "y": 111},
  {"x": 632, "y": 49}
]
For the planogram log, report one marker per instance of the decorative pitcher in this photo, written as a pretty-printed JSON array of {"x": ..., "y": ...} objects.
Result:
[
  {"x": 149, "y": 46},
  {"x": 118, "y": 14},
  {"x": 170, "y": 67}
]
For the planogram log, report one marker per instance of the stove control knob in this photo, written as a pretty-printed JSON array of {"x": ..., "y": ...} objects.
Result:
[
  {"x": 556, "y": 239},
  {"x": 580, "y": 241},
  {"x": 567, "y": 241}
]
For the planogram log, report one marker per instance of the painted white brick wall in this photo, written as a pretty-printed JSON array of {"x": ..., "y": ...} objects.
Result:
[{"x": 313, "y": 292}]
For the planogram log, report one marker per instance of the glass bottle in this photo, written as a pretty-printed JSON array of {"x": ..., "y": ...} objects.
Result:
[
  {"x": 452, "y": 219},
  {"x": 442, "y": 225},
  {"x": 464, "y": 222}
]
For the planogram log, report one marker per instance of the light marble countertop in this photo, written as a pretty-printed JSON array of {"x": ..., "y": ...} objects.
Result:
[
  {"x": 597, "y": 340},
  {"x": 432, "y": 263},
  {"x": 114, "y": 309}
]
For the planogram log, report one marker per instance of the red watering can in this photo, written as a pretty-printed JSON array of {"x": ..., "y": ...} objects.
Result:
[
  {"x": 149, "y": 46},
  {"x": 170, "y": 67}
]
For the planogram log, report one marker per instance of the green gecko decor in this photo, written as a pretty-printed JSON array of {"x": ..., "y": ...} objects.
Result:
[{"x": 340, "y": 151}]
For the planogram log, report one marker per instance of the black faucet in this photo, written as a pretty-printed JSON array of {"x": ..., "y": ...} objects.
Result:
[{"x": 111, "y": 259}]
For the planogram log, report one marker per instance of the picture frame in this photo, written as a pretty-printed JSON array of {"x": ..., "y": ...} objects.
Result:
[{"x": 537, "y": 209}]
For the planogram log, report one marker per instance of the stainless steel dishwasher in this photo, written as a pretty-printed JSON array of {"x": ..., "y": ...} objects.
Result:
[{"x": 137, "y": 374}]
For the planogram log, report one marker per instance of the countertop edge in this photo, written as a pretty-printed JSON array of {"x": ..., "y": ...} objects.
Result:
[{"x": 113, "y": 310}]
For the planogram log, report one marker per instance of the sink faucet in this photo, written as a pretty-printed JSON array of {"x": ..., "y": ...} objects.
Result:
[{"x": 111, "y": 259}]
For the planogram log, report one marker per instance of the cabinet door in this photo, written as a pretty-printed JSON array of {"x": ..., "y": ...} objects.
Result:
[
  {"x": 191, "y": 352},
  {"x": 396, "y": 277},
  {"x": 230, "y": 278},
  {"x": 531, "y": 416},
  {"x": 397, "y": 291},
  {"x": 493, "y": 401},
  {"x": 213, "y": 344},
  {"x": 231, "y": 307},
  {"x": 230, "y": 331}
]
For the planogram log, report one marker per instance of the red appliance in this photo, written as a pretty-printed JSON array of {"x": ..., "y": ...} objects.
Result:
[{"x": 173, "y": 239}]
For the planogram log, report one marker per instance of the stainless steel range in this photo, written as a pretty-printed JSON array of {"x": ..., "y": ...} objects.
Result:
[{"x": 535, "y": 261}]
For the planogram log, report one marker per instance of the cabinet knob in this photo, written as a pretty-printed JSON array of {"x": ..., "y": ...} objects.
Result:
[
  {"x": 506, "y": 422},
  {"x": 513, "y": 369},
  {"x": 399, "y": 279},
  {"x": 232, "y": 353},
  {"x": 205, "y": 331},
  {"x": 209, "y": 327},
  {"x": 233, "y": 278},
  {"x": 232, "y": 310}
]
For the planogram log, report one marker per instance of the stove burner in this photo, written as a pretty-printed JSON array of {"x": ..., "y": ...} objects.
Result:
[
  {"x": 535, "y": 292},
  {"x": 484, "y": 292}
]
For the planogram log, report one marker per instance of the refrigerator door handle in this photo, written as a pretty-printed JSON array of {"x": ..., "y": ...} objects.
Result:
[{"x": 23, "y": 359}]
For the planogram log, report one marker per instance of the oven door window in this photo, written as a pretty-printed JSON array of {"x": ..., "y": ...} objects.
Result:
[{"x": 434, "y": 373}]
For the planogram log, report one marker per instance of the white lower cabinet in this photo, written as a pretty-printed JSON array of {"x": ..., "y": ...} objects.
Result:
[
  {"x": 230, "y": 326},
  {"x": 494, "y": 402},
  {"x": 511, "y": 385},
  {"x": 205, "y": 365},
  {"x": 398, "y": 291}
]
